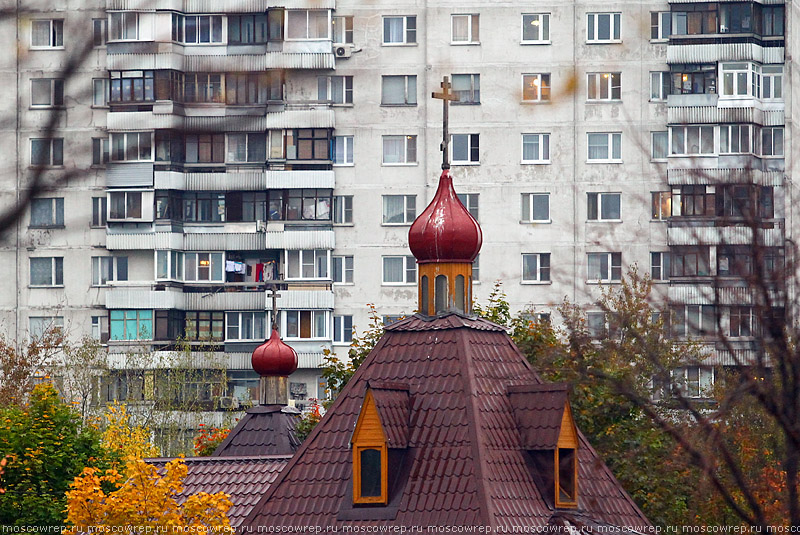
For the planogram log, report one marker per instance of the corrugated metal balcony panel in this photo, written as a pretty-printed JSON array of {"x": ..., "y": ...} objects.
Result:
[
  {"x": 705, "y": 294},
  {"x": 704, "y": 2},
  {"x": 713, "y": 115},
  {"x": 122, "y": 62},
  {"x": 678, "y": 177},
  {"x": 305, "y": 299},
  {"x": 300, "y": 239},
  {"x": 225, "y": 241},
  {"x": 310, "y": 360},
  {"x": 707, "y": 53},
  {"x": 144, "y": 241},
  {"x": 241, "y": 361},
  {"x": 259, "y": 62},
  {"x": 131, "y": 121},
  {"x": 262, "y": 180},
  {"x": 774, "y": 117},
  {"x": 226, "y": 301},
  {"x": 723, "y": 236},
  {"x": 129, "y": 174},
  {"x": 144, "y": 298},
  {"x": 141, "y": 5},
  {"x": 251, "y": 6},
  {"x": 170, "y": 180},
  {"x": 699, "y": 99}
]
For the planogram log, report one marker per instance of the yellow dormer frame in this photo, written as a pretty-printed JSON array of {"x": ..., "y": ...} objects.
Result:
[
  {"x": 566, "y": 451},
  {"x": 368, "y": 438}
]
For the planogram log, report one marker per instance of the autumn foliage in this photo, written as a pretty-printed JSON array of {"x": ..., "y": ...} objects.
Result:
[
  {"x": 125, "y": 439},
  {"x": 209, "y": 438}
]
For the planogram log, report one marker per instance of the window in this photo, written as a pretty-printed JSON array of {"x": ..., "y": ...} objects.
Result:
[
  {"x": 535, "y": 28},
  {"x": 536, "y": 267},
  {"x": 605, "y": 146},
  {"x": 47, "y": 271},
  {"x": 693, "y": 320},
  {"x": 306, "y": 24},
  {"x": 100, "y": 328},
  {"x": 204, "y": 326},
  {"x": 47, "y": 152},
  {"x": 476, "y": 269},
  {"x": 342, "y": 329},
  {"x": 399, "y": 270},
  {"x": 604, "y": 86},
  {"x": 535, "y": 207},
  {"x": 399, "y": 150},
  {"x": 602, "y": 27},
  {"x": 203, "y": 267},
  {"x": 661, "y": 202},
  {"x": 659, "y": 266},
  {"x": 99, "y": 32},
  {"x": 690, "y": 261},
  {"x": 659, "y": 145},
  {"x": 467, "y": 87},
  {"x": 742, "y": 322},
  {"x": 100, "y": 92},
  {"x": 123, "y": 25},
  {"x": 305, "y": 323},
  {"x": 99, "y": 211},
  {"x": 297, "y": 204},
  {"x": 343, "y": 269},
  {"x": 203, "y": 207},
  {"x": 132, "y": 86},
  {"x": 399, "y": 90},
  {"x": 660, "y": 85},
  {"x": 535, "y": 87},
  {"x": 47, "y": 212},
  {"x": 342, "y": 29},
  {"x": 197, "y": 29},
  {"x": 131, "y": 324},
  {"x": 735, "y": 139},
  {"x": 47, "y": 92},
  {"x": 399, "y": 30},
  {"x": 109, "y": 268},
  {"x": 603, "y": 207},
  {"x": 307, "y": 264},
  {"x": 604, "y": 267},
  {"x": 734, "y": 261},
  {"x": 695, "y": 201},
  {"x": 308, "y": 144},
  {"x": 254, "y": 88},
  {"x": 399, "y": 209},
  {"x": 201, "y": 87},
  {"x": 342, "y": 150},
  {"x": 336, "y": 89},
  {"x": 740, "y": 79},
  {"x": 693, "y": 381},
  {"x": 772, "y": 141},
  {"x": 39, "y": 325},
  {"x": 596, "y": 324},
  {"x": 660, "y": 25},
  {"x": 694, "y": 80},
  {"x": 132, "y": 146},
  {"x": 169, "y": 265},
  {"x": 246, "y": 326},
  {"x": 465, "y": 29},
  {"x": 204, "y": 148},
  {"x": 691, "y": 140},
  {"x": 470, "y": 202},
  {"x": 535, "y": 148},
  {"x": 125, "y": 205},
  {"x": 370, "y": 456},
  {"x": 247, "y": 148},
  {"x": 737, "y": 18},
  {"x": 47, "y": 33},
  {"x": 772, "y": 82},
  {"x": 695, "y": 20},
  {"x": 465, "y": 148},
  {"x": 248, "y": 29},
  {"x": 343, "y": 209}
]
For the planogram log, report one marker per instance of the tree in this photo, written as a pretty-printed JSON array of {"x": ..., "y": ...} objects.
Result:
[
  {"x": 208, "y": 440},
  {"x": 338, "y": 372},
  {"x": 47, "y": 446},
  {"x": 124, "y": 439},
  {"x": 20, "y": 366},
  {"x": 143, "y": 498},
  {"x": 78, "y": 367}
]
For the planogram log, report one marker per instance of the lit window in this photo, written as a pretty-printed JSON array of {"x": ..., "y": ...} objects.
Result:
[
  {"x": 343, "y": 269},
  {"x": 602, "y": 27},
  {"x": 47, "y": 212},
  {"x": 47, "y": 92},
  {"x": 399, "y": 30},
  {"x": 399, "y": 90},
  {"x": 603, "y": 206},
  {"x": 535, "y": 28},
  {"x": 342, "y": 329},
  {"x": 47, "y": 33},
  {"x": 467, "y": 87},
  {"x": 535, "y": 207},
  {"x": 604, "y": 86},
  {"x": 661, "y": 205},
  {"x": 536, "y": 267},
  {"x": 47, "y": 271},
  {"x": 336, "y": 89},
  {"x": 535, "y": 87},
  {"x": 604, "y": 267},
  {"x": 47, "y": 152},
  {"x": 465, "y": 29},
  {"x": 399, "y": 270},
  {"x": 399, "y": 209},
  {"x": 605, "y": 146},
  {"x": 342, "y": 150},
  {"x": 399, "y": 150},
  {"x": 465, "y": 148},
  {"x": 535, "y": 148},
  {"x": 203, "y": 267}
]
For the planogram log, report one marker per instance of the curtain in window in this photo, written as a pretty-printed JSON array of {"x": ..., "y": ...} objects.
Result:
[
  {"x": 530, "y": 148},
  {"x": 393, "y": 270},
  {"x": 598, "y": 146},
  {"x": 393, "y": 30},
  {"x": 41, "y": 33},
  {"x": 461, "y": 28},
  {"x": 394, "y": 90},
  {"x": 393, "y": 149}
]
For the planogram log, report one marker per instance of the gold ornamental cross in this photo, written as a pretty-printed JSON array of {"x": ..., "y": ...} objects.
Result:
[{"x": 446, "y": 97}]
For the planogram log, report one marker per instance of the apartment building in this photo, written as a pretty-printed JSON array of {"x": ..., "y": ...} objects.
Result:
[{"x": 225, "y": 148}]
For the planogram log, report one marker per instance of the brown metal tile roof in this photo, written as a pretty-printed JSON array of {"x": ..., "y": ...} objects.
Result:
[
  {"x": 465, "y": 462},
  {"x": 264, "y": 430},
  {"x": 538, "y": 410},
  {"x": 391, "y": 401},
  {"x": 244, "y": 479}
]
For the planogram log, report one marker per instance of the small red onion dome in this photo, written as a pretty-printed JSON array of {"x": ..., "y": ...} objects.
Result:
[
  {"x": 274, "y": 358},
  {"x": 445, "y": 231}
]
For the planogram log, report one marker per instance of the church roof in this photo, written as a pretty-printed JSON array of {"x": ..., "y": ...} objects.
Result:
[
  {"x": 465, "y": 461},
  {"x": 264, "y": 430}
]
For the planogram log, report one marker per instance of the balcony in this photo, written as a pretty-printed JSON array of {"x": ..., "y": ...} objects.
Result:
[
  {"x": 125, "y": 121},
  {"x": 707, "y": 294},
  {"x": 214, "y": 6},
  {"x": 247, "y": 180},
  {"x": 688, "y": 51},
  {"x": 222, "y": 241},
  {"x": 710, "y": 235},
  {"x": 707, "y": 109},
  {"x": 730, "y": 175}
]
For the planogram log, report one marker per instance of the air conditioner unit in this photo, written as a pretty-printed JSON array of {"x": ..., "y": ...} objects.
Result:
[
  {"x": 228, "y": 403},
  {"x": 342, "y": 50},
  {"x": 261, "y": 226}
]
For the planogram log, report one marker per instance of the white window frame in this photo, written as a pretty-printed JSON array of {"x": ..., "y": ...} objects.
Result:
[
  {"x": 601, "y": 198},
  {"x": 127, "y": 137},
  {"x": 55, "y": 207},
  {"x": 117, "y": 20},
  {"x": 536, "y": 19},
  {"x": 473, "y": 20},
  {"x": 55, "y": 30},
  {"x": 613, "y": 140},
  {"x": 232, "y": 156},
  {"x": 212, "y": 256},
  {"x": 56, "y": 279},
  {"x": 539, "y": 80},
  {"x": 542, "y": 275},
  {"x": 308, "y": 26},
  {"x": 658, "y": 85},
  {"x": 769, "y": 133},
  {"x": 473, "y": 148},
  {"x": 597, "y": 82},
  {"x": 409, "y": 34},
  {"x": 99, "y": 211},
  {"x": 703, "y": 131},
  {"x": 473, "y": 94},
  {"x": 706, "y": 377},
  {"x": 542, "y": 148},
  {"x": 731, "y": 137},
  {"x": 409, "y": 269},
  {"x": 409, "y": 149},
  {"x": 527, "y": 212},
  {"x": 735, "y": 70},
  {"x": 126, "y": 193},
  {"x": 56, "y": 146},
  {"x": 318, "y": 318},
  {"x": 342, "y": 333},
  {"x": 343, "y": 271},
  {"x": 471, "y": 203},
  {"x": 174, "y": 262},
  {"x": 100, "y": 26},
  {"x": 614, "y": 270},
  {"x": 662, "y": 27},
  {"x": 298, "y": 261},
  {"x": 772, "y": 83},
  {"x": 476, "y": 269},
  {"x": 46, "y": 323},
  {"x": 180, "y": 19},
  {"x": 55, "y": 90},
  {"x": 342, "y": 209},
  {"x": 409, "y": 209},
  {"x": 326, "y": 86},
  {"x": 101, "y": 87},
  {"x": 105, "y": 269},
  {"x": 653, "y": 144},
  {"x": 659, "y": 266},
  {"x": 657, "y": 200},
  {"x": 346, "y": 144},
  {"x": 253, "y": 318},
  {"x": 342, "y": 26},
  {"x": 593, "y": 25},
  {"x": 409, "y": 96}
]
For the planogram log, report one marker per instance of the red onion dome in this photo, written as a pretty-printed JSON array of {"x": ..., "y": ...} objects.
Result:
[
  {"x": 445, "y": 231},
  {"x": 274, "y": 358}
]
